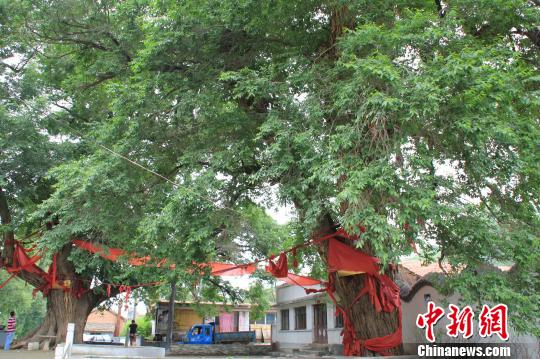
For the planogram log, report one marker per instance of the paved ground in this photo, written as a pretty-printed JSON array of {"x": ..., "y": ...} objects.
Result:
[
  {"x": 19, "y": 354},
  {"x": 25, "y": 354}
]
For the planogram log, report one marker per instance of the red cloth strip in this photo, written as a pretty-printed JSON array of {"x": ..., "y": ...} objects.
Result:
[
  {"x": 295, "y": 279},
  {"x": 382, "y": 291}
]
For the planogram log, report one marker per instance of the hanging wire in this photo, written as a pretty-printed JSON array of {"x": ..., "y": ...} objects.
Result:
[{"x": 137, "y": 164}]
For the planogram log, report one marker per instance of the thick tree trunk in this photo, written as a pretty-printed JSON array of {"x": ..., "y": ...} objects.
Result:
[
  {"x": 367, "y": 322},
  {"x": 62, "y": 308}
]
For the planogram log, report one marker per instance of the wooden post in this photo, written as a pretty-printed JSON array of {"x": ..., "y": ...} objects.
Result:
[{"x": 170, "y": 318}]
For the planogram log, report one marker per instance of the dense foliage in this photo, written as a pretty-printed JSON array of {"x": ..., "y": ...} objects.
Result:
[
  {"x": 417, "y": 122},
  {"x": 18, "y": 297},
  {"x": 144, "y": 327}
]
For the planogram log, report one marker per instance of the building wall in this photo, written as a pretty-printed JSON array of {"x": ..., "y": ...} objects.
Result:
[
  {"x": 418, "y": 305},
  {"x": 290, "y": 293},
  {"x": 185, "y": 318},
  {"x": 523, "y": 346},
  {"x": 290, "y": 297},
  {"x": 334, "y": 333}
]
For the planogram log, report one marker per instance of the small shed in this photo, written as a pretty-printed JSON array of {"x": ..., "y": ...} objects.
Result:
[{"x": 229, "y": 318}]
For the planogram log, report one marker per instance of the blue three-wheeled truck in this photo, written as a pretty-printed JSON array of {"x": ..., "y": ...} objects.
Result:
[{"x": 206, "y": 334}]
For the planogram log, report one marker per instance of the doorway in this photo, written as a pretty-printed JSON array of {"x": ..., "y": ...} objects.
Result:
[{"x": 320, "y": 335}]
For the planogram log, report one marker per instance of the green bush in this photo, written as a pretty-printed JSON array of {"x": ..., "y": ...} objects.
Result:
[
  {"x": 18, "y": 297},
  {"x": 144, "y": 328}
]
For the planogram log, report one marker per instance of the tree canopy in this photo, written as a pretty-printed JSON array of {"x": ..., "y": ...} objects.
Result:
[{"x": 415, "y": 120}]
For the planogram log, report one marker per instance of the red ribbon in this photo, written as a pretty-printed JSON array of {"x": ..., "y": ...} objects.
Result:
[
  {"x": 280, "y": 268},
  {"x": 383, "y": 294}
]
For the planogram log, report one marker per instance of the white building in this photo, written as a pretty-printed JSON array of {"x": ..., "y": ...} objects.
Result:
[
  {"x": 307, "y": 319},
  {"x": 304, "y": 318}
]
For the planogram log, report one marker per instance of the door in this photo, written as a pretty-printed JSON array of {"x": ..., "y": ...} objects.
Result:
[
  {"x": 319, "y": 324},
  {"x": 226, "y": 322}
]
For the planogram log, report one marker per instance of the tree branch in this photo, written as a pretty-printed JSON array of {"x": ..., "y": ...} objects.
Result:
[
  {"x": 100, "y": 79},
  {"x": 19, "y": 67},
  {"x": 9, "y": 245}
]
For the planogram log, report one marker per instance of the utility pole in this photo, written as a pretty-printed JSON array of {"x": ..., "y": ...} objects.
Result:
[{"x": 170, "y": 318}]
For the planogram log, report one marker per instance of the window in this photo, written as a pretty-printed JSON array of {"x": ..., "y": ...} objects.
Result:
[
  {"x": 258, "y": 321},
  {"x": 300, "y": 318},
  {"x": 285, "y": 319},
  {"x": 270, "y": 318},
  {"x": 338, "y": 321}
]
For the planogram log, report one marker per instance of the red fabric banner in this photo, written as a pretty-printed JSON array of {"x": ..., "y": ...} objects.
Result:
[
  {"x": 279, "y": 269},
  {"x": 382, "y": 291},
  {"x": 111, "y": 254},
  {"x": 21, "y": 261},
  {"x": 342, "y": 257},
  {"x": 225, "y": 269},
  {"x": 295, "y": 279}
]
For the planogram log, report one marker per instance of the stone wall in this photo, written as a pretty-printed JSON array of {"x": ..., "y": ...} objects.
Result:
[{"x": 220, "y": 349}]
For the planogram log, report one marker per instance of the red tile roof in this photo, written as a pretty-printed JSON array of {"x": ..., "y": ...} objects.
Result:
[{"x": 417, "y": 267}]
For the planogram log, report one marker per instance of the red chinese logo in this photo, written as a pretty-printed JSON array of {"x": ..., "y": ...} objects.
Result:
[
  {"x": 460, "y": 321},
  {"x": 429, "y": 319},
  {"x": 494, "y": 321}
]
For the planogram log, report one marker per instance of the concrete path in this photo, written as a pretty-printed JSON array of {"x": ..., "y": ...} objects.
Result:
[{"x": 25, "y": 354}]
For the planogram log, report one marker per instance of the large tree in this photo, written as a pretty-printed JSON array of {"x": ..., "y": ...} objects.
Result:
[
  {"x": 416, "y": 120},
  {"x": 52, "y": 108},
  {"x": 29, "y": 147}
]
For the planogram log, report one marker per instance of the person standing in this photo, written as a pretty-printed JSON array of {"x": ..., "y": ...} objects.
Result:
[
  {"x": 132, "y": 333},
  {"x": 10, "y": 330}
]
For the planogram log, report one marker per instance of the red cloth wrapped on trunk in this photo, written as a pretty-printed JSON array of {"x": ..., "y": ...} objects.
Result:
[
  {"x": 342, "y": 257},
  {"x": 382, "y": 291}
]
